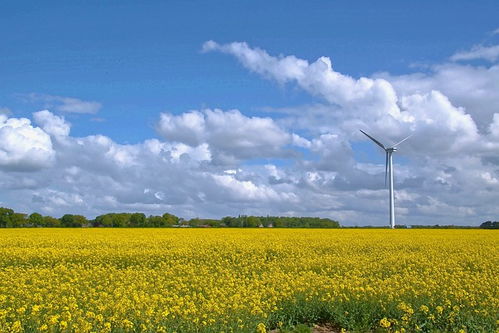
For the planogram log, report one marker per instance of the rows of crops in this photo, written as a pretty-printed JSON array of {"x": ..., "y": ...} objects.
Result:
[{"x": 227, "y": 280}]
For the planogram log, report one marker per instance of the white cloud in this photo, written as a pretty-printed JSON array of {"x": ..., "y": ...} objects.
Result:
[
  {"x": 65, "y": 104},
  {"x": 52, "y": 124},
  {"x": 436, "y": 207},
  {"x": 188, "y": 127},
  {"x": 472, "y": 87},
  {"x": 489, "y": 53},
  {"x": 494, "y": 126},
  {"x": 438, "y": 124},
  {"x": 391, "y": 108},
  {"x": 209, "y": 162},
  {"x": 364, "y": 103},
  {"x": 198, "y": 153},
  {"x": 94, "y": 174},
  {"x": 318, "y": 78},
  {"x": 229, "y": 135},
  {"x": 22, "y": 146},
  {"x": 247, "y": 190}
]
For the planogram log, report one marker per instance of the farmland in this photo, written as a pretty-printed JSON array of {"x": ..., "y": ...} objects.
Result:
[{"x": 230, "y": 280}]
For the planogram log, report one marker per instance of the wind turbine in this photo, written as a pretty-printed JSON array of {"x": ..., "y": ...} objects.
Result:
[{"x": 389, "y": 172}]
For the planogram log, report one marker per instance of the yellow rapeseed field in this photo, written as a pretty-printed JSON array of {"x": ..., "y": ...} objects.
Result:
[{"x": 247, "y": 280}]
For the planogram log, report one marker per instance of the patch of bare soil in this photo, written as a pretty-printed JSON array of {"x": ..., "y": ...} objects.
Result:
[
  {"x": 325, "y": 328},
  {"x": 321, "y": 328}
]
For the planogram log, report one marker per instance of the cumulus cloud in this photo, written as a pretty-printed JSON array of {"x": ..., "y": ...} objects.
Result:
[
  {"x": 444, "y": 109},
  {"x": 317, "y": 78},
  {"x": 64, "y": 104},
  {"x": 472, "y": 87},
  {"x": 494, "y": 126},
  {"x": 93, "y": 174},
  {"x": 24, "y": 147},
  {"x": 246, "y": 190},
  {"x": 52, "y": 124},
  {"x": 229, "y": 135},
  {"x": 312, "y": 160},
  {"x": 364, "y": 102}
]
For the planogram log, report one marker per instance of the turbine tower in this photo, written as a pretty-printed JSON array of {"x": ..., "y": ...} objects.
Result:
[{"x": 389, "y": 172}]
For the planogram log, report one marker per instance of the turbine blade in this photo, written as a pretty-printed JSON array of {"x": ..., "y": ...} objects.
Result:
[
  {"x": 386, "y": 168},
  {"x": 375, "y": 141},
  {"x": 395, "y": 145}
]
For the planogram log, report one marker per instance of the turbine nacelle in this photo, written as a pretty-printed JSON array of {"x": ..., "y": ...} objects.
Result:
[{"x": 388, "y": 172}]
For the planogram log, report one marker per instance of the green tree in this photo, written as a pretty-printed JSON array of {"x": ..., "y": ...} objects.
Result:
[
  {"x": 107, "y": 220},
  {"x": 79, "y": 220},
  {"x": 36, "y": 220},
  {"x": 170, "y": 219},
  {"x": 121, "y": 220},
  {"x": 5, "y": 214},
  {"x": 137, "y": 220},
  {"x": 49, "y": 221},
  {"x": 490, "y": 225},
  {"x": 73, "y": 221},
  {"x": 253, "y": 222},
  {"x": 155, "y": 221},
  {"x": 17, "y": 220}
]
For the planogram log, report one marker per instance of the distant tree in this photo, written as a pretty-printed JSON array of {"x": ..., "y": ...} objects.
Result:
[
  {"x": 121, "y": 220},
  {"x": 79, "y": 220},
  {"x": 279, "y": 223},
  {"x": 36, "y": 220},
  {"x": 108, "y": 220},
  {"x": 137, "y": 220},
  {"x": 170, "y": 219},
  {"x": 212, "y": 222},
  {"x": 194, "y": 222},
  {"x": 9, "y": 218},
  {"x": 72, "y": 221},
  {"x": 253, "y": 221},
  {"x": 49, "y": 221},
  {"x": 230, "y": 221},
  {"x": 66, "y": 220},
  {"x": 17, "y": 220},
  {"x": 155, "y": 221},
  {"x": 490, "y": 225},
  {"x": 5, "y": 214},
  {"x": 268, "y": 221}
]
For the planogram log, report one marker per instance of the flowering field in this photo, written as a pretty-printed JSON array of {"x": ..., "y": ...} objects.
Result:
[{"x": 233, "y": 280}]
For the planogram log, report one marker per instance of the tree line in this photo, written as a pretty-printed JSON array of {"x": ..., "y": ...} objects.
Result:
[
  {"x": 11, "y": 219},
  {"x": 279, "y": 222},
  {"x": 490, "y": 225}
]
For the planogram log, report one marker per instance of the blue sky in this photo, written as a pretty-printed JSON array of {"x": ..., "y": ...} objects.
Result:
[
  {"x": 140, "y": 58},
  {"x": 130, "y": 72}
]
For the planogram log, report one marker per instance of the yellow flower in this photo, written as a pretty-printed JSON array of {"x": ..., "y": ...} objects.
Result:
[
  {"x": 385, "y": 323},
  {"x": 107, "y": 327},
  {"x": 63, "y": 325},
  {"x": 16, "y": 327},
  {"x": 260, "y": 328},
  {"x": 127, "y": 323},
  {"x": 232, "y": 279},
  {"x": 54, "y": 319},
  {"x": 424, "y": 308}
]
